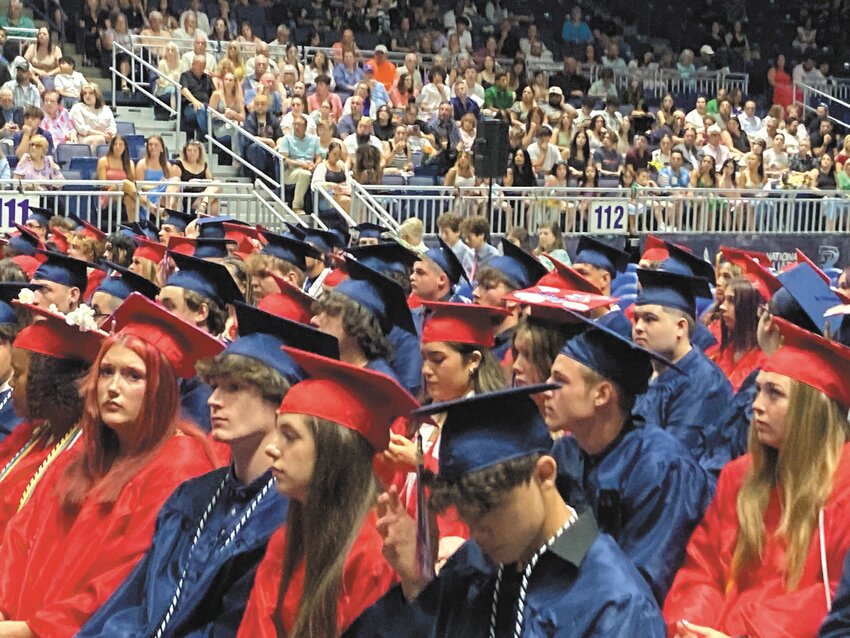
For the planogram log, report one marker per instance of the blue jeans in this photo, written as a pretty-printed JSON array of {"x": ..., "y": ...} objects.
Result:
[{"x": 196, "y": 122}]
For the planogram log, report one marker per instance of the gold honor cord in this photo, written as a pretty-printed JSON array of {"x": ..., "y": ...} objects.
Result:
[
  {"x": 67, "y": 441},
  {"x": 22, "y": 452}
]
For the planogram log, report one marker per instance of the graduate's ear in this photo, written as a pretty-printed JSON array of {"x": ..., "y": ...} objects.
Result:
[
  {"x": 546, "y": 471},
  {"x": 74, "y": 295},
  {"x": 603, "y": 393}
]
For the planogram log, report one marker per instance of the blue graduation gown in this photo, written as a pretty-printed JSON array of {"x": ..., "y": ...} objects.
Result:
[
  {"x": 383, "y": 366},
  {"x": 194, "y": 395},
  {"x": 728, "y": 439},
  {"x": 617, "y": 321},
  {"x": 218, "y": 579},
  {"x": 837, "y": 623},
  {"x": 407, "y": 359},
  {"x": 583, "y": 586},
  {"x": 504, "y": 342},
  {"x": 702, "y": 337},
  {"x": 645, "y": 491},
  {"x": 688, "y": 405},
  {"x": 8, "y": 419}
]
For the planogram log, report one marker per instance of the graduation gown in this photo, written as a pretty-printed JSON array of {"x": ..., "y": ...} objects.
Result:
[
  {"x": 758, "y": 604},
  {"x": 406, "y": 361},
  {"x": 194, "y": 395},
  {"x": 582, "y": 586},
  {"x": 617, "y": 321},
  {"x": 383, "y": 366},
  {"x": 366, "y": 576},
  {"x": 56, "y": 569},
  {"x": 689, "y": 404},
  {"x": 729, "y": 438},
  {"x": 645, "y": 491},
  {"x": 837, "y": 623},
  {"x": 703, "y": 338},
  {"x": 8, "y": 419},
  {"x": 502, "y": 348},
  {"x": 737, "y": 371},
  {"x": 219, "y": 577}
]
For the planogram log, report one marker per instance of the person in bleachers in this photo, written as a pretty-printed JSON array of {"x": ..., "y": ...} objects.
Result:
[
  {"x": 258, "y": 64},
  {"x": 197, "y": 89},
  {"x": 199, "y": 48},
  {"x": 366, "y": 165},
  {"x": 32, "y": 127},
  {"x": 68, "y": 83},
  {"x": 462, "y": 103},
  {"x": 348, "y": 124},
  {"x": 193, "y": 167},
  {"x": 25, "y": 88},
  {"x": 300, "y": 150},
  {"x": 117, "y": 166},
  {"x": 323, "y": 94},
  {"x": 411, "y": 68},
  {"x": 347, "y": 74},
  {"x": 153, "y": 37},
  {"x": 43, "y": 55},
  {"x": 362, "y": 135},
  {"x": 189, "y": 26},
  {"x": 443, "y": 127},
  {"x": 265, "y": 126},
  {"x": 93, "y": 120},
  {"x": 38, "y": 164},
  {"x": 273, "y": 89}
]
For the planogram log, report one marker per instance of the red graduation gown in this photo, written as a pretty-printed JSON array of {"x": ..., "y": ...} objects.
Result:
[
  {"x": 737, "y": 371},
  {"x": 366, "y": 577},
  {"x": 57, "y": 570},
  {"x": 758, "y": 605}
]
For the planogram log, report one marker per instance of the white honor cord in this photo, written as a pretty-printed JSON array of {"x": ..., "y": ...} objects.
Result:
[
  {"x": 523, "y": 587},
  {"x": 823, "y": 566},
  {"x": 178, "y": 591}
]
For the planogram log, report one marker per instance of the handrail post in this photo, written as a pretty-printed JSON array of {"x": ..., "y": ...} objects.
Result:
[{"x": 114, "y": 76}]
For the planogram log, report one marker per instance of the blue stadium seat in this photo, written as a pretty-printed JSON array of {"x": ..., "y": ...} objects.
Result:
[
  {"x": 420, "y": 180},
  {"x": 71, "y": 175},
  {"x": 126, "y": 128},
  {"x": 101, "y": 150},
  {"x": 64, "y": 152},
  {"x": 136, "y": 146},
  {"x": 87, "y": 166},
  {"x": 393, "y": 180}
]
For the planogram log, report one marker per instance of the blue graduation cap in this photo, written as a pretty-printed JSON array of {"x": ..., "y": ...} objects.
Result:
[
  {"x": 487, "y": 429},
  {"x": 613, "y": 355},
  {"x": 25, "y": 242},
  {"x": 445, "y": 258},
  {"x": 380, "y": 295},
  {"x": 804, "y": 298},
  {"x": 262, "y": 336},
  {"x": 522, "y": 268},
  {"x": 596, "y": 253},
  {"x": 387, "y": 256},
  {"x": 368, "y": 230},
  {"x": 178, "y": 219},
  {"x": 670, "y": 290},
  {"x": 121, "y": 282},
  {"x": 207, "y": 278},
  {"x": 211, "y": 227},
  {"x": 682, "y": 262},
  {"x": 9, "y": 291},
  {"x": 295, "y": 231},
  {"x": 288, "y": 249},
  {"x": 143, "y": 229},
  {"x": 210, "y": 248},
  {"x": 325, "y": 240},
  {"x": 63, "y": 270},
  {"x": 40, "y": 215}
]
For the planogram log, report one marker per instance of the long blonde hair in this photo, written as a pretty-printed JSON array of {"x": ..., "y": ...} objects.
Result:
[{"x": 802, "y": 470}]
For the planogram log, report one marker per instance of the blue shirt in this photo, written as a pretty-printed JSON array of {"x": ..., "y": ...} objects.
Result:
[
  {"x": 219, "y": 577},
  {"x": 576, "y": 32},
  {"x": 346, "y": 80},
  {"x": 680, "y": 179},
  {"x": 303, "y": 150},
  {"x": 406, "y": 360},
  {"x": 645, "y": 490},
  {"x": 582, "y": 586}
]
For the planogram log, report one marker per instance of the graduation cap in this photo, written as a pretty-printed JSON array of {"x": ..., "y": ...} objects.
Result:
[
  {"x": 244, "y": 236},
  {"x": 484, "y": 430},
  {"x": 804, "y": 298},
  {"x": 380, "y": 295},
  {"x": 596, "y": 253},
  {"x": 613, "y": 355},
  {"x": 368, "y": 230},
  {"x": 181, "y": 343},
  {"x": 9, "y": 291},
  {"x": 207, "y": 278},
  {"x": 181, "y": 245},
  {"x": 808, "y": 358},
  {"x": 25, "y": 242},
  {"x": 670, "y": 290},
  {"x": 738, "y": 256},
  {"x": 178, "y": 219},
  {"x": 290, "y": 303},
  {"x": 655, "y": 249},
  {"x": 551, "y": 304},
  {"x": 802, "y": 258},
  {"x": 39, "y": 215},
  {"x": 288, "y": 249},
  {"x": 63, "y": 270},
  {"x": 365, "y": 401},
  {"x": 121, "y": 282},
  {"x": 59, "y": 240},
  {"x": 149, "y": 249},
  {"x": 461, "y": 323},
  {"x": 146, "y": 229},
  {"x": 682, "y": 262},
  {"x": 87, "y": 228},
  {"x": 522, "y": 268},
  {"x": 325, "y": 240},
  {"x": 389, "y": 255},
  {"x": 445, "y": 258},
  {"x": 761, "y": 279},
  {"x": 567, "y": 278},
  {"x": 209, "y": 248},
  {"x": 211, "y": 227},
  {"x": 54, "y": 337},
  {"x": 262, "y": 335},
  {"x": 295, "y": 231}
]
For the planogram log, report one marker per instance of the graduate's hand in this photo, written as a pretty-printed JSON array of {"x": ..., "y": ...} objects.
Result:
[
  {"x": 398, "y": 530},
  {"x": 687, "y": 629},
  {"x": 401, "y": 450},
  {"x": 446, "y": 548},
  {"x": 15, "y": 629}
]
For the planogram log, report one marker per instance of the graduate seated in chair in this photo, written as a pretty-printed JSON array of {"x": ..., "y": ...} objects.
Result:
[{"x": 534, "y": 566}]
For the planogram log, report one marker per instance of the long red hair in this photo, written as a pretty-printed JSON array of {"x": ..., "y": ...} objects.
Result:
[{"x": 101, "y": 469}]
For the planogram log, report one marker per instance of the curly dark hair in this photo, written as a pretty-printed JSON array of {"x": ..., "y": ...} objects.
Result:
[
  {"x": 358, "y": 322},
  {"x": 58, "y": 389},
  {"x": 271, "y": 383}
]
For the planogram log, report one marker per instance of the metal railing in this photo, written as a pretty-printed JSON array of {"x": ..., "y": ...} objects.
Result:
[
  {"x": 617, "y": 210},
  {"x": 139, "y": 83},
  {"x": 367, "y": 208},
  {"x": 808, "y": 97}
]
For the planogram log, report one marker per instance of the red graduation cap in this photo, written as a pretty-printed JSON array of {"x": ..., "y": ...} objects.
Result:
[
  {"x": 60, "y": 239},
  {"x": 553, "y": 304},
  {"x": 28, "y": 264},
  {"x": 181, "y": 245},
  {"x": 90, "y": 230},
  {"x": 290, "y": 303},
  {"x": 53, "y": 336},
  {"x": 247, "y": 237},
  {"x": 803, "y": 259},
  {"x": 750, "y": 262},
  {"x": 655, "y": 249},
  {"x": 181, "y": 343},
  {"x": 809, "y": 358},
  {"x": 461, "y": 323},
  {"x": 147, "y": 249},
  {"x": 360, "y": 399},
  {"x": 566, "y": 278}
]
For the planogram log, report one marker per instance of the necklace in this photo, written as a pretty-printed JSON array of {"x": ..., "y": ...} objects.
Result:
[
  {"x": 252, "y": 506},
  {"x": 29, "y": 445},
  {"x": 523, "y": 588},
  {"x": 65, "y": 442}
]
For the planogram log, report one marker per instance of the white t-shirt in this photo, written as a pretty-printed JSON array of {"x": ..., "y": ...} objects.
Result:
[
  {"x": 552, "y": 155},
  {"x": 69, "y": 84},
  {"x": 286, "y": 123}
]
